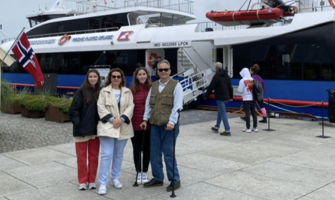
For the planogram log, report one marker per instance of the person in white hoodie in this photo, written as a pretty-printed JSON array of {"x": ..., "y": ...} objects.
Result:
[{"x": 245, "y": 87}]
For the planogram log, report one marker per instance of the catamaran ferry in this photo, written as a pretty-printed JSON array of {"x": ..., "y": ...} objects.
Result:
[{"x": 294, "y": 49}]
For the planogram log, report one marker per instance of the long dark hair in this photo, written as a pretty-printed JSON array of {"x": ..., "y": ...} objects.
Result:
[
  {"x": 135, "y": 86},
  {"x": 109, "y": 78},
  {"x": 87, "y": 86}
]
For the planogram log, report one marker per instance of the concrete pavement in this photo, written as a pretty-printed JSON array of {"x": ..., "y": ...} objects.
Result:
[{"x": 288, "y": 163}]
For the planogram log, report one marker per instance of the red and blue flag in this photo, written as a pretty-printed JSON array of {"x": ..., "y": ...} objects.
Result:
[{"x": 27, "y": 58}]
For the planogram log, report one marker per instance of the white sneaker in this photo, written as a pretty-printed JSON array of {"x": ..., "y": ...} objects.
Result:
[
  {"x": 82, "y": 186},
  {"x": 102, "y": 190},
  {"x": 116, "y": 183},
  {"x": 246, "y": 130},
  {"x": 139, "y": 178},
  {"x": 92, "y": 186},
  {"x": 254, "y": 129},
  {"x": 145, "y": 177}
]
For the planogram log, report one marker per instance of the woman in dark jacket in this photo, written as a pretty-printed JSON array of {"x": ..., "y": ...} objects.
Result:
[
  {"x": 223, "y": 92},
  {"x": 141, "y": 140},
  {"x": 84, "y": 117}
]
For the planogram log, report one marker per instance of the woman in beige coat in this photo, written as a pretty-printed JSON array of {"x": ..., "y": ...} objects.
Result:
[{"x": 115, "y": 108}]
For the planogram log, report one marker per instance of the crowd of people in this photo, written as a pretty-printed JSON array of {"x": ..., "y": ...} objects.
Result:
[{"x": 106, "y": 117}]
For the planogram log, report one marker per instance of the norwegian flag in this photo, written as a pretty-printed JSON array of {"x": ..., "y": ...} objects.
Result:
[{"x": 26, "y": 57}]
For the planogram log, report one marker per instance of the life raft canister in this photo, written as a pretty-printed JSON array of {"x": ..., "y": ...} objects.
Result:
[
  {"x": 151, "y": 59},
  {"x": 64, "y": 39}
]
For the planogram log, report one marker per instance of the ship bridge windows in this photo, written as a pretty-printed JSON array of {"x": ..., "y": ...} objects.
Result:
[{"x": 81, "y": 25}]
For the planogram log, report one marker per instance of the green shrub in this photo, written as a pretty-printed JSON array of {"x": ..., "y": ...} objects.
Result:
[
  {"x": 7, "y": 94},
  {"x": 34, "y": 102},
  {"x": 62, "y": 103}
]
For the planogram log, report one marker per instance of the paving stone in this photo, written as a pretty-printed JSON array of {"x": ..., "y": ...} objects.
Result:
[
  {"x": 64, "y": 191},
  {"x": 252, "y": 152},
  {"x": 260, "y": 186},
  {"x": 9, "y": 163},
  {"x": 12, "y": 185},
  {"x": 324, "y": 193},
  {"x": 44, "y": 175},
  {"x": 204, "y": 191},
  {"x": 209, "y": 163},
  {"x": 318, "y": 158},
  {"x": 69, "y": 148},
  {"x": 37, "y": 156},
  {"x": 298, "y": 175}
]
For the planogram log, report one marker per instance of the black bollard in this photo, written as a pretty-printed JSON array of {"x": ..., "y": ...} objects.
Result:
[{"x": 268, "y": 111}]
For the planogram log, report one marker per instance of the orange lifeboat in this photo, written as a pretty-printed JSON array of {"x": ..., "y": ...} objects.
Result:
[{"x": 247, "y": 17}]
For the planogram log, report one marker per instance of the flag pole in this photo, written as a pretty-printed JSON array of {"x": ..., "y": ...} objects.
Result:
[
  {"x": 6, "y": 56},
  {"x": 14, "y": 43}
]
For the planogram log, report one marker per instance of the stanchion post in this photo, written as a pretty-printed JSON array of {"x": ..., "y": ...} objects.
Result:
[
  {"x": 323, "y": 124},
  {"x": 268, "y": 111}
]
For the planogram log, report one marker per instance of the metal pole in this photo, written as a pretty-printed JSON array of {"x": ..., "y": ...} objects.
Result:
[
  {"x": 322, "y": 124},
  {"x": 14, "y": 43},
  {"x": 323, "y": 128},
  {"x": 268, "y": 112}
]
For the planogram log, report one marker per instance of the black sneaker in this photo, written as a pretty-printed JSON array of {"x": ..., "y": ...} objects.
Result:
[
  {"x": 216, "y": 130},
  {"x": 176, "y": 186},
  {"x": 225, "y": 133},
  {"x": 153, "y": 183},
  {"x": 243, "y": 118},
  {"x": 263, "y": 120}
]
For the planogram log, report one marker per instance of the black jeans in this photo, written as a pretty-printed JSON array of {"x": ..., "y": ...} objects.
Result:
[
  {"x": 249, "y": 106},
  {"x": 137, "y": 143}
]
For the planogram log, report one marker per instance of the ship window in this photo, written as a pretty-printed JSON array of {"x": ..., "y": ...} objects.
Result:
[{"x": 94, "y": 23}]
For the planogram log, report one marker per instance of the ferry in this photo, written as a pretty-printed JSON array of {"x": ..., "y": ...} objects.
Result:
[{"x": 294, "y": 52}]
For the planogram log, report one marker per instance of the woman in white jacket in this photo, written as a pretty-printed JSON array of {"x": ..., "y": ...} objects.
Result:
[
  {"x": 245, "y": 87},
  {"x": 115, "y": 108}
]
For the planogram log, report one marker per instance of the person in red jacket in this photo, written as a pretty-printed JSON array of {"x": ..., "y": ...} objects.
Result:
[{"x": 141, "y": 140}]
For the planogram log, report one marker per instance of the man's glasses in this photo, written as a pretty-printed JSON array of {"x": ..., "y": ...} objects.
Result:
[
  {"x": 164, "y": 69},
  {"x": 116, "y": 77}
]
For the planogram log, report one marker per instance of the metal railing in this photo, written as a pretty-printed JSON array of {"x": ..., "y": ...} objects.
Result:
[{"x": 87, "y": 7}]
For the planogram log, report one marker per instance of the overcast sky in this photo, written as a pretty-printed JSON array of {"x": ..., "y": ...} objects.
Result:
[{"x": 13, "y": 14}]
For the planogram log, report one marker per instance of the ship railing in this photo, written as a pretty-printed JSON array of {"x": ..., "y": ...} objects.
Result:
[
  {"x": 7, "y": 40},
  {"x": 194, "y": 85},
  {"x": 68, "y": 33},
  {"x": 186, "y": 7},
  {"x": 76, "y": 32},
  {"x": 214, "y": 26}
]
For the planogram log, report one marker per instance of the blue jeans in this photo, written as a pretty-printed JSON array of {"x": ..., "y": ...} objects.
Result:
[
  {"x": 162, "y": 143},
  {"x": 222, "y": 115},
  {"x": 111, "y": 151}
]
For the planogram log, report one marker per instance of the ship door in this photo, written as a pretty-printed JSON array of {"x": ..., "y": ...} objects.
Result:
[{"x": 219, "y": 55}]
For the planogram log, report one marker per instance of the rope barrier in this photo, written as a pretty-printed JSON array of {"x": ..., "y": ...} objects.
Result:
[{"x": 317, "y": 103}]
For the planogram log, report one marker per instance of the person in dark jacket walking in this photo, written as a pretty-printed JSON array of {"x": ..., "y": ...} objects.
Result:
[
  {"x": 141, "y": 143},
  {"x": 84, "y": 117},
  {"x": 223, "y": 92}
]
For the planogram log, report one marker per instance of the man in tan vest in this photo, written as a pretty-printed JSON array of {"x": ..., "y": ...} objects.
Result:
[{"x": 164, "y": 101}]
